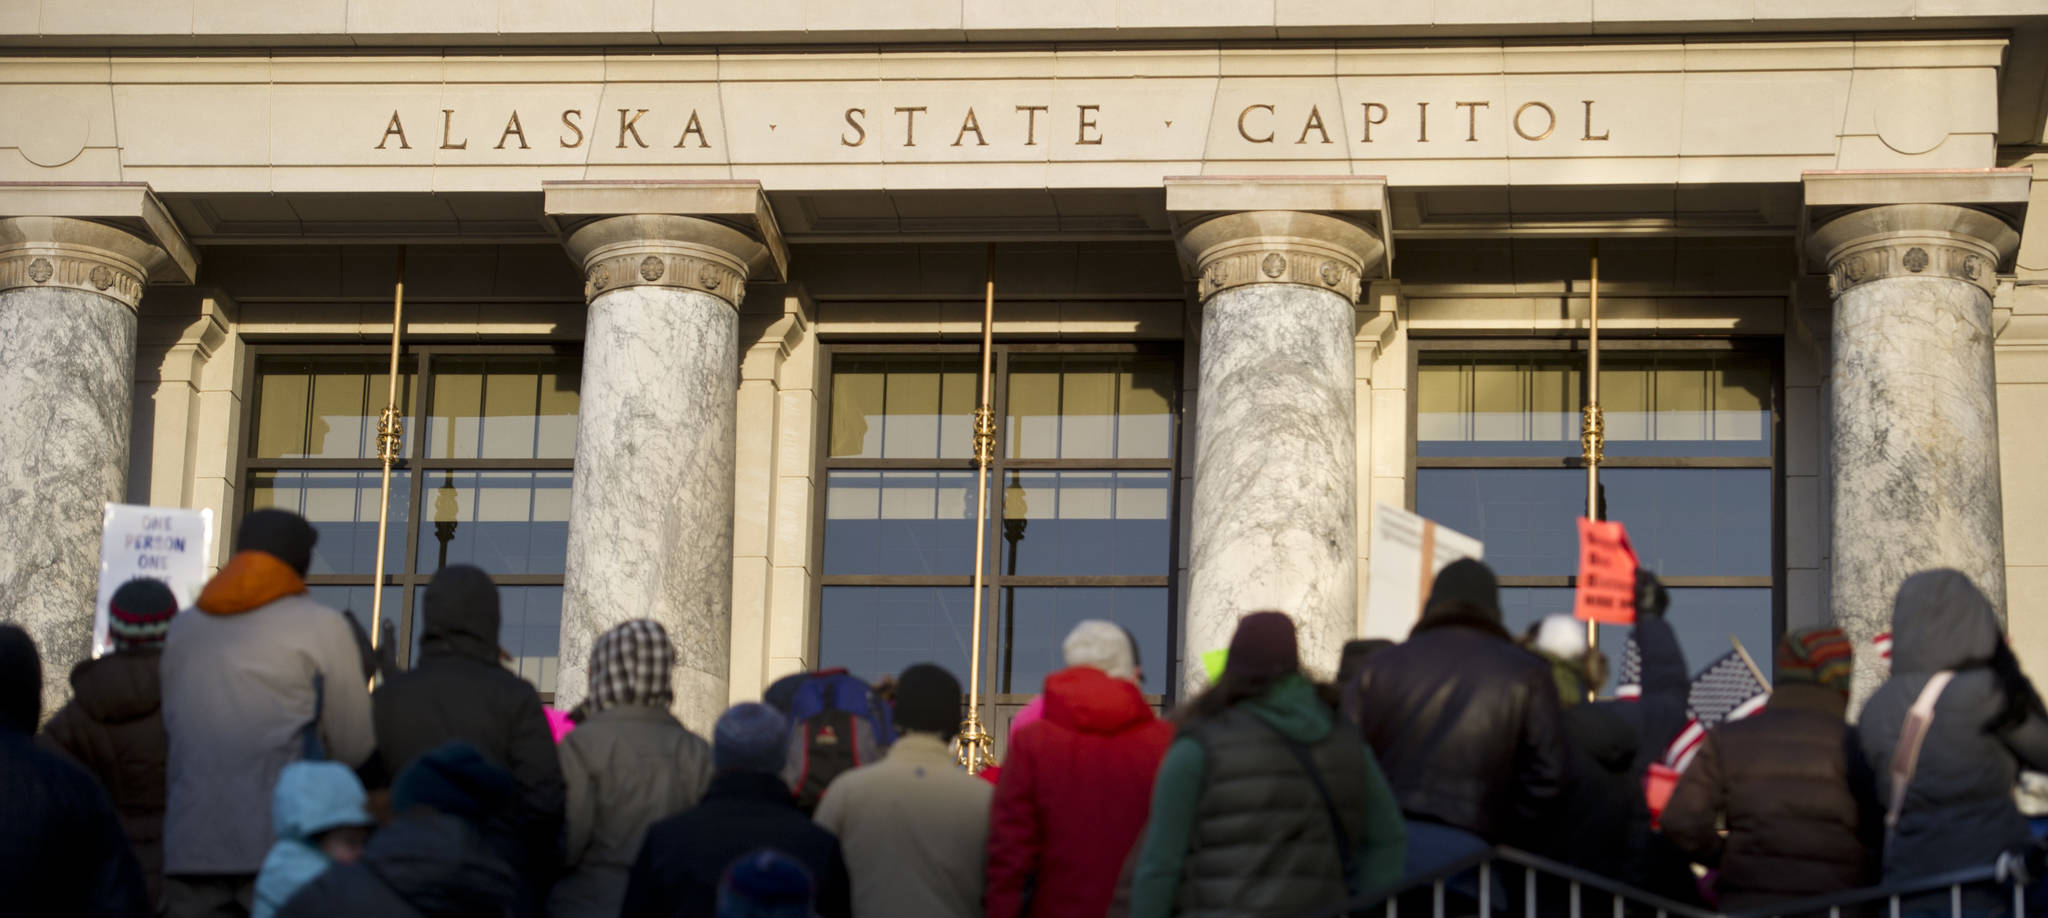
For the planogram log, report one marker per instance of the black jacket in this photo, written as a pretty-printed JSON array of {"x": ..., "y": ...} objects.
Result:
[
  {"x": 61, "y": 848},
  {"x": 114, "y": 727},
  {"x": 424, "y": 863},
  {"x": 1467, "y": 728},
  {"x": 1601, "y": 802},
  {"x": 685, "y": 855},
  {"x": 1796, "y": 797},
  {"x": 458, "y": 691}
]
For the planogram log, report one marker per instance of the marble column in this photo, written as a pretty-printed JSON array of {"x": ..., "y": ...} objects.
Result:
[
  {"x": 1915, "y": 453},
  {"x": 1274, "y": 522},
  {"x": 68, "y": 293},
  {"x": 650, "y": 519}
]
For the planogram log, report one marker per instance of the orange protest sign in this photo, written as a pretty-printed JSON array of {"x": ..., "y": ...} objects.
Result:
[{"x": 1607, "y": 574}]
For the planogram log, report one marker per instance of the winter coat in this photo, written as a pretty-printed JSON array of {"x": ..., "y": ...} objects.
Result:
[
  {"x": 1794, "y": 794},
  {"x": 425, "y": 863},
  {"x": 1237, "y": 829},
  {"x": 458, "y": 691},
  {"x": 62, "y": 852},
  {"x": 239, "y": 688},
  {"x": 627, "y": 767},
  {"x": 1959, "y": 809},
  {"x": 914, "y": 829},
  {"x": 114, "y": 726},
  {"x": 1600, "y": 798},
  {"x": 1654, "y": 718},
  {"x": 1467, "y": 728},
  {"x": 686, "y": 855},
  {"x": 311, "y": 798},
  {"x": 1073, "y": 797}
]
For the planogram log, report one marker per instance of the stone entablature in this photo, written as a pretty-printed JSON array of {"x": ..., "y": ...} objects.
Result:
[{"x": 1476, "y": 115}]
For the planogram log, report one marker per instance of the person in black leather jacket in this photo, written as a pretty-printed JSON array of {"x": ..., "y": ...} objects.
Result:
[{"x": 1466, "y": 725}]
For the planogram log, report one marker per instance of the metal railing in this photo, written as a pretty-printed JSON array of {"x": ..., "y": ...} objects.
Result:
[{"x": 1505, "y": 881}]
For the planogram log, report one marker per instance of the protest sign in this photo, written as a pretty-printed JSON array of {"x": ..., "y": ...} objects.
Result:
[
  {"x": 1407, "y": 552},
  {"x": 170, "y": 544},
  {"x": 1607, "y": 574}
]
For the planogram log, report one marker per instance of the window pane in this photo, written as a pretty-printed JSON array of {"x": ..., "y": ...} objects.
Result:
[
  {"x": 503, "y": 522},
  {"x": 1703, "y": 618},
  {"x": 903, "y": 407},
  {"x": 1654, "y": 404},
  {"x": 355, "y": 600},
  {"x": 899, "y": 523},
  {"x": 323, "y": 408},
  {"x": 504, "y": 408},
  {"x": 1682, "y": 522},
  {"x": 1087, "y": 523},
  {"x": 342, "y": 506},
  {"x": 529, "y": 629},
  {"x": 1090, "y": 407},
  {"x": 880, "y": 631},
  {"x": 1038, "y": 619}
]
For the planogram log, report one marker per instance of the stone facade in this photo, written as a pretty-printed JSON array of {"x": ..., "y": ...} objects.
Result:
[{"x": 1296, "y": 208}]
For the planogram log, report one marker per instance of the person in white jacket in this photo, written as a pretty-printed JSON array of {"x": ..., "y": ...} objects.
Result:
[{"x": 247, "y": 672}]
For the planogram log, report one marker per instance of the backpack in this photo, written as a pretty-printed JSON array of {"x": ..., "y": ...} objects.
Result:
[{"x": 837, "y": 724}]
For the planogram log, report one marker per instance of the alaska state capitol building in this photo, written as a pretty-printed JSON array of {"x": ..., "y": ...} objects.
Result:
[{"x": 694, "y": 291}]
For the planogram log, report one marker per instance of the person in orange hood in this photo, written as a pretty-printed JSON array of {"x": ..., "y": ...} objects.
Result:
[{"x": 253, "y": 676}]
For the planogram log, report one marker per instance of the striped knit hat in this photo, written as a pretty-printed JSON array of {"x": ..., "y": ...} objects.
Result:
[
  {"x": 139, "y": 614},
  {"x": 1818, "y": 655}
]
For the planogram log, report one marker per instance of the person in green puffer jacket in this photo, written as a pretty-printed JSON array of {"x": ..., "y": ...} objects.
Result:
[{"x": 1267, "y": 804}]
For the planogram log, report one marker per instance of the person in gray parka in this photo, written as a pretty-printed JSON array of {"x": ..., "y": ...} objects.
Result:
[{"x": 1988, "y": 724}]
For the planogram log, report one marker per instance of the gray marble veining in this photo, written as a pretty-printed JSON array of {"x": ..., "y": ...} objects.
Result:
[
  {"x": 650, "y": 520},
  {"x": 67, "y": 360},
  {"x": 1274, "y": 522},
  {"x": 1915, "y": 453}
]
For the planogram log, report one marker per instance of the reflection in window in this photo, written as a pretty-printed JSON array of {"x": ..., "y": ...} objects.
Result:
[
  {"x": 1107, "y": 407},
  {"x": 1080, "y": 523},
  {"x": 342, "y": 506},
  {"x": 1654, "y": 404},
  {"x": 504, "y": 408},
  {"x": 323, "y": 407},
  {"x": 899, "y": 522},
  {"x": 880, "y": 631},
  {"x": 1037, "y": 620},
  {"x": 903, "y": 408}
]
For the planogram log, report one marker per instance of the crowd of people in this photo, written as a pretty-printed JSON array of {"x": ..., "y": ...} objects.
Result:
[{"x": 234, "y": 759}]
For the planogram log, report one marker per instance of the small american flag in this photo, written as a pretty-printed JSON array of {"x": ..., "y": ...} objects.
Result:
[
  {"x": 1629, "y": 682},
  {"x": 1883, "y": 644},
  {"x": 1726, "y": 690}
]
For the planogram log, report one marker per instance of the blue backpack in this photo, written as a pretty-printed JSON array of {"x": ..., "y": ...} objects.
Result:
[{"x": 837, "y": 724}]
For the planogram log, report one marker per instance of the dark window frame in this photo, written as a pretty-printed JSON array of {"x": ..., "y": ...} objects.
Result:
[
  {"x": 1772, "y": 348},
  {"x": 408, "y": 580},
  {"x": 997, "y": 604}
]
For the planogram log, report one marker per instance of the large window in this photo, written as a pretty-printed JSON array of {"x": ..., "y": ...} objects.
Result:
[
  {"x": 489, "y": 440},
  {"x": 1690, "y": 468},
  {"x": 1080, "y": 506}
]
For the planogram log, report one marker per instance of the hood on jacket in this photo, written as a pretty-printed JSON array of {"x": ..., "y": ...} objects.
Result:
[
  {"x": 461, "y": 614},
  {"x": 313, "y": 797},
  {"x": 21, "y": 680},
  {"x": 251, "y": 580},
  {"x": 1089, "y": 700},
  {"x": 440, "y": 865},
  {"x": 1602, "y": 734},
  {"x": 629, "y": 665},
  {"x": 1942, "y": 621},
  {"x": 1292, "y": 707},
  {"x": 119, "y": 687}
]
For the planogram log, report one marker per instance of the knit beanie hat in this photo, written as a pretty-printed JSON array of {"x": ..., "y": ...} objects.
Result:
[
  {"x": 281, "y": 533},
  {"x": 1468, "y": 583},
  {"x": 21, "y": 680},
  {"x": 1822, "y": 656},
  {"x": 752, "y": 738},
  {"x": 1263, "y": 646},
  {"x": 1560, "y": 636},
  {"x": 765, "y": 884},
  {"x": 456, "y": 779},
  {"x": 139, "y": 613},
  {"x": 928, "y": 701}
]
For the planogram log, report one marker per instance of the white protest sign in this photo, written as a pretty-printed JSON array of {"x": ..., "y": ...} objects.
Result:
[
  {"x": 170, "y": 544},
  {"x": 1407, "y": 552}
]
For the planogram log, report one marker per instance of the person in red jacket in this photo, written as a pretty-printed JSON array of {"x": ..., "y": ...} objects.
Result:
[{"x": 1074, "y": 794}]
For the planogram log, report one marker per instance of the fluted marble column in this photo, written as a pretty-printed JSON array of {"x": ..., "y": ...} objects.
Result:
[
  {"x": 1915, "y": 452},
  {"x": 1274, "y": 522},
  {"x": 650, "y": 520},
  {"x": 68, "y": 292}
]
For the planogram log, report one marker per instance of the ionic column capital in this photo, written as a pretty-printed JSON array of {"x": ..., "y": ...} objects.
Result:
[
  {"x": 1913, "y": 240},
  {"x": 77, "y": 254},
  {"x": 1309, "y": 231},
  {"x": 711, "y": 237}
]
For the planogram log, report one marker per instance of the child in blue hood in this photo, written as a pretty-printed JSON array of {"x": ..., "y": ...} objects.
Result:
[{"x": 318, "y": 816}]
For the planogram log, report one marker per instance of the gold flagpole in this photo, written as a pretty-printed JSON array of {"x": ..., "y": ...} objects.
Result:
[
  {"x": 387, "y": 450},
  {"x": 1592, "y": 432},
  {"x": 974, "y": 740}
]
